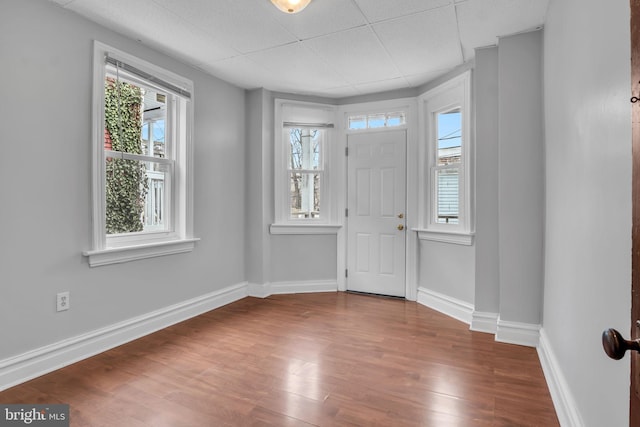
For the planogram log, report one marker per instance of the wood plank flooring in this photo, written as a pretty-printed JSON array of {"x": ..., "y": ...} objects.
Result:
[{"x": 328, "y": 359}]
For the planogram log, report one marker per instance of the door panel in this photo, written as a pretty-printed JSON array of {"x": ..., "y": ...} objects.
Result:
[{"x": 376, "y": 205}]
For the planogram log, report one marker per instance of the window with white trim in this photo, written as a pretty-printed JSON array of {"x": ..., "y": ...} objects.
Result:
[
  {"x": 142, "y": 160},
  {"x": 306, "y": 169},
  {"x": 302, "y": 168},
  {"x": 447, "y": 168},
  {"x": 447, "y": 206},
  {"x": 377, "y": 120}
]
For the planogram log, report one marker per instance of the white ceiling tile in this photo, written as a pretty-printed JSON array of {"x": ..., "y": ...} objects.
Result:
[
  {"x": 356, "y": 54},
  {"x": 189, "y": 44},
  {"x": 121, "y": 15},
  {"x": 245, "y": 25},
  {"x": 297, "y": 67},
  {"x": 422, "y": 42},
  {"x": 422, "y": 78},
  {"x": 240, "y": 71},
  {"x": 381, "y": 10},
  {"x": 383, "y": 86},
  {"x": 322, "y": 17},
  {"x": 339, "y": 92},
  {"x": 333, "y": 48},
  {"x": 483, "y": 21}
]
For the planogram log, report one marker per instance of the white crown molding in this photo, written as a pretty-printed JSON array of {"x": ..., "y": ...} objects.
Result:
[{"x": 452, "y": 307}]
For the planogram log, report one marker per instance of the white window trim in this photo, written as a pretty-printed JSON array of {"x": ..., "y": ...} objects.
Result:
[
  {"x": 143, "y": 245},
  {"x": 329, "y": 221},
  {"x": 454, "y": 93},
  {"x": 304, "y": 229},
  {"x": 465, "y": 239}
]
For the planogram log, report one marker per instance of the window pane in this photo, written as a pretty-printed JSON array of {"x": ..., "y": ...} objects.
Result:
[
  {"x": 358, "y": 122},
  {"x": 126, "y": 191},
  {"x": 155, "y": 207},
  {"x": 305, "y": 195},
  {"x": 447, "y": 200},
  {"x": 136, "y": 194},
  {"x": 449, "y": 126},
  {"x": 376, "y": 120},
  {"x": 395, "y": 119},
  {"x": 155, "y": 115},
  {"x": 123, "y": 110},
  {"x": 305, "y": 149},
  {"x": 158, "y": 138},
  {"x": 145, "y": 139}
]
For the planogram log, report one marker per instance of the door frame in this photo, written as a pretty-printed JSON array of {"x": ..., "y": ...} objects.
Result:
[
  {"x": 634, "y": 396},
  {"x": 409, "y": 106}
]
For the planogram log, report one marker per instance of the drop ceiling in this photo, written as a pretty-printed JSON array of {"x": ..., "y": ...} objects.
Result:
[{"x": 333, "y": 48}]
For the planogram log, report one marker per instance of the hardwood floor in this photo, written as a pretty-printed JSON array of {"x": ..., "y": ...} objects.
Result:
[{"x": 329, "y": 359}]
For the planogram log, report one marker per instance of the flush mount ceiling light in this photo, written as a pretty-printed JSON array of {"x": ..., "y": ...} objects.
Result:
[{"x": 291, "y": 6}]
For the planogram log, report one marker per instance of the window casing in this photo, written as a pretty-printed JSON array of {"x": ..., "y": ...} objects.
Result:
[
  {"x": 304, "y": 195},
  {"x": 142, "y": 160},
  {"x": 446, "y": 169}
]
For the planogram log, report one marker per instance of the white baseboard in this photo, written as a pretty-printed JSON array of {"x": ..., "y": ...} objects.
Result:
[
  {"x": 294, "y": 287},
  {"x": 561, "y": 395},
  {"x": 484, "y": 322},
  {"x": 259, "y": 290},
  {"x": 519, "y": 333},
  {"x": 34, "y": 363},
  {"x": 452, "y": 307}
]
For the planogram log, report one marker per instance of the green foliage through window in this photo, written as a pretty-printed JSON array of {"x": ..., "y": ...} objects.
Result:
[{"x": 126, "y": 180}]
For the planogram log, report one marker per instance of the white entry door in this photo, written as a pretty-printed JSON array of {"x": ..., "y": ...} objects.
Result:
[{"x": 376, "y": 204}]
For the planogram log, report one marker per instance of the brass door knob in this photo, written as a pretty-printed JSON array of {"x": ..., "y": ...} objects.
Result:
[
  {"x": 400, "y": 216},
  {"x": 401, "y": 227}
]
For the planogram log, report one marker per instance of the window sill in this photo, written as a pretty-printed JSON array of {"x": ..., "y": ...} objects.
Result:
[
  {"x": 456, "y": 238},
  {"x": 304, "y": 229},
  {"x": 132, "y": 253}
]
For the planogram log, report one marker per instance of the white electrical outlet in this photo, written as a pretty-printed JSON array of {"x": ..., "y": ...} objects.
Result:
[{"x": 62, "y": 301}]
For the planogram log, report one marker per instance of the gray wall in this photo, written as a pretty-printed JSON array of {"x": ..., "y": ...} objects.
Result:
[
  {"x": 520, "y": 177},
  {"x": 303, "y": 258},
  {"x": 259, "y": 195},
  {"x": 486, "y": 89},
  {"x": 448, "y": 269},
  {"x": 277, "y": 258},
  {"x": 45, "y": 170},
  {"x": 588, "y": 200}
]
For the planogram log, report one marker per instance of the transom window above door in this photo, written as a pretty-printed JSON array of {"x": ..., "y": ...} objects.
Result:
[{"x": 376, "y": 120}]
